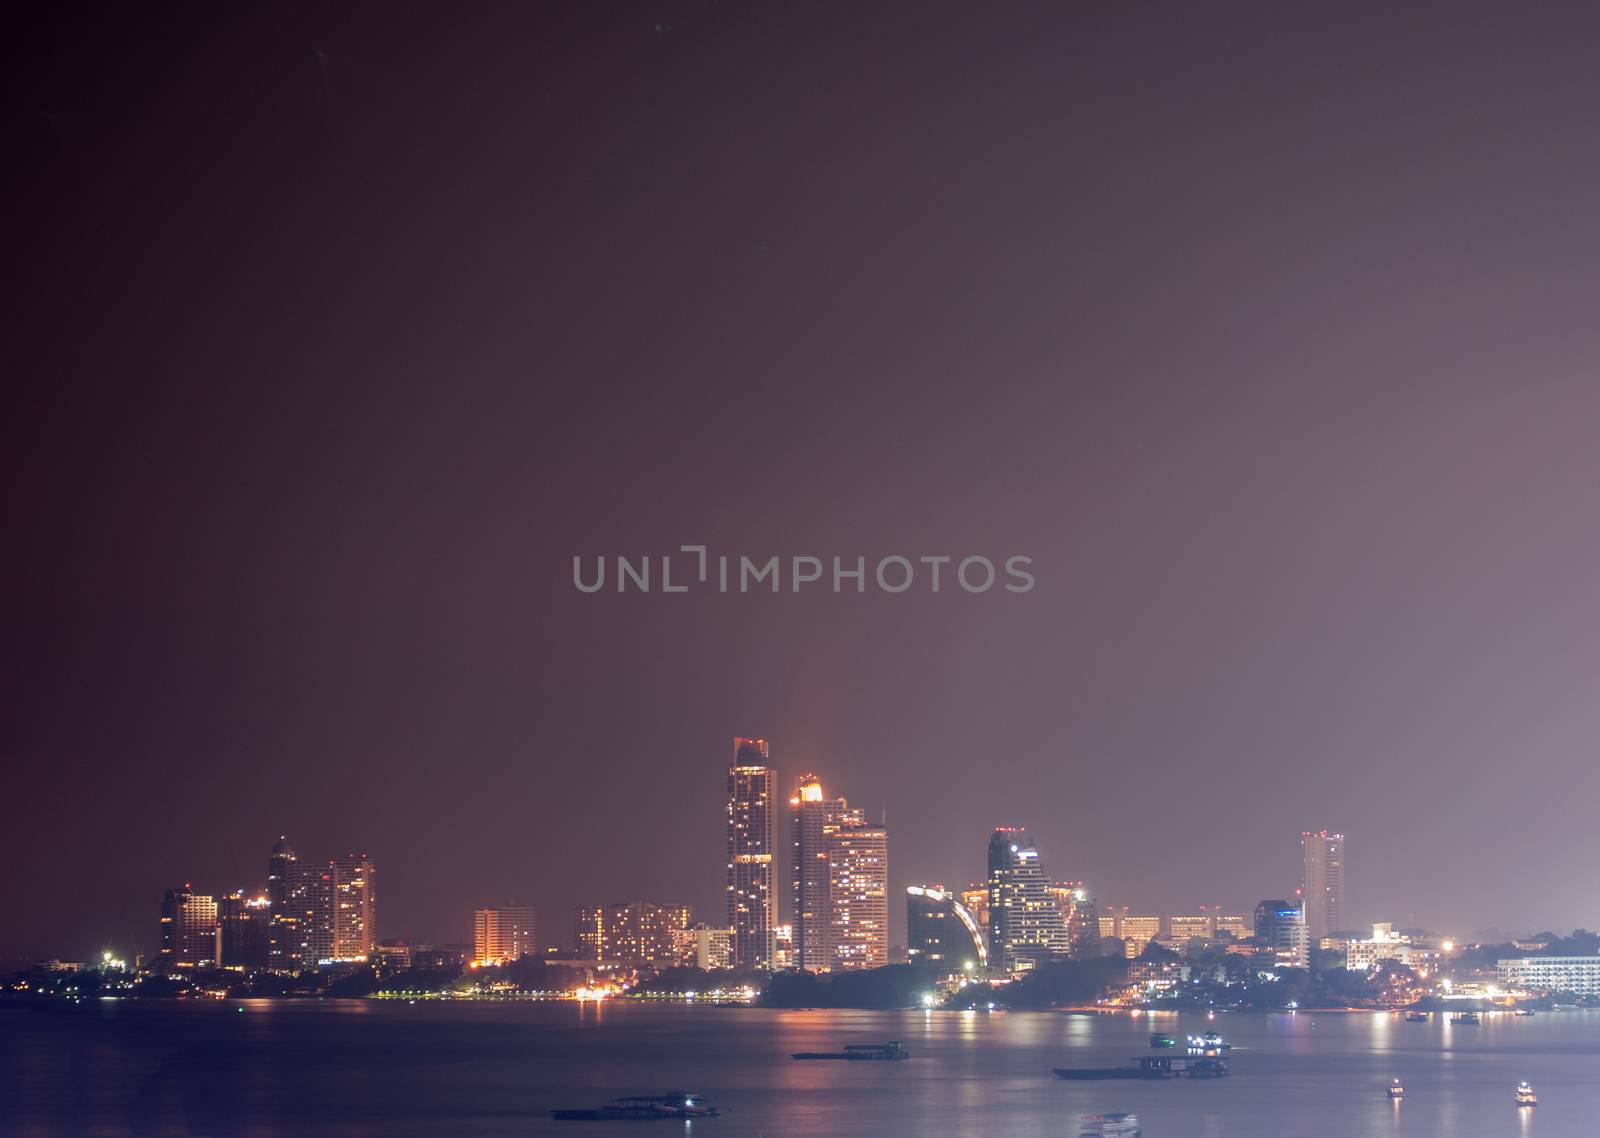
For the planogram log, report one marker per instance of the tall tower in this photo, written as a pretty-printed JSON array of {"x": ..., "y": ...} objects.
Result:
[
  {"x": 752, "y": 901},
  {"x": 809, "y": 822},
  {"x": 286, "y": 901},
  {"x": 188, "y": 928},
  {"x": 1323, "y": 853},
  {"x": 1025, "y": 925}
]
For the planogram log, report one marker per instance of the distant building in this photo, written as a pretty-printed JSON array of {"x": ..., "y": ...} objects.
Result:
[
  {"x": 503, "y": 933},
  {"x": 1281, "y": 926},
  {"x": 638, "y": 934},
  {"x": 752, "y": 899},
  {"x": 392, "y": 955},
  {"x": 1385, "y": 944},
  {"x": 1323, "y": 891},
  {"x": 188, "y": 928},
  {"x": 289, "y": 908},
  {"x": 1233, "y": 925},
  {"x": 1134, "y": 930},
  {"x": 976, "y": 898},
  {"x": 811, "y": 818},
  {"x": 941, "y": 932},
  {"x": 439, "y": 957},
  {"x": 352, "y": 907},
  {"x": 858, "y": 885},
  {"x": 1025, "y": 925},
  {"x": 783, "y": 950},
  {"x": 1579, "y": 975},
  {"x": 1183, "y": 928},
  {"x": 1083, "y": 926},
  {"x": 242, "y": 928},
  {"x": 702, "y": 946}
]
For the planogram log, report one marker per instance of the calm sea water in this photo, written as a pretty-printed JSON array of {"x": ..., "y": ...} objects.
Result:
[{"x": 364, "y": 1069}]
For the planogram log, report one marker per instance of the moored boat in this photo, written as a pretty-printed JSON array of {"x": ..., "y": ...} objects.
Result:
[
  {"x": 1470, "y": 1019},
  {"x": 1396, "y": 1090},
  {"x": 1209, "y": 1042},
  {"x": 640, "y": 1108},
  {"x": 857, "y": 1052},
  {"x": 1121, "y": 1124},
  {"x": 1163, "y": 1041},
  {"x": 1416, "y": 1017},
  {"x": 1525, "y": 1095},
  {"x": 1152, "y": 1067}
]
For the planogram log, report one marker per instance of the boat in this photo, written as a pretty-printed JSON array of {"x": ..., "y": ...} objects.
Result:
[
  {"x": 1524, "y": 1011},
  {"x": 1163, "y": 1041},
  {"x": 1396, "y": 1090},
  {"x": 1122, "y": 1124},
  {"x": 1525, "y": 1095},
  {"x": 1416, "y": 1017},
  {"x": 1209, "y": 1042},
  {"x": 1469, "y": 1018},
  {"x": 857, "y": 1052},
  {"x": 673, "y": 1104},
  {"x": 1152, "y": 1067}
]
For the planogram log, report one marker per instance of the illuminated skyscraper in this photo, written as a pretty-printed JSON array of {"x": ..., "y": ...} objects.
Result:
[
  {"x": 188, "y": 928},
  {"x": 858, "y": 887},
  {"x": 810, "y": 815},
  {"x": 752, "y": 900},
  {"x": 1323, "y": 891},
  {"x": 503, "y": 933},
  {"x": 1025, "y": 926}
]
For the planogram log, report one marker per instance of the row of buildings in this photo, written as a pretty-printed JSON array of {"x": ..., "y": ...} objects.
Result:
[{"x": 310, "y": 913}]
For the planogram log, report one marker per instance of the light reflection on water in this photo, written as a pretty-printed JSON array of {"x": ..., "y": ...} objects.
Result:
[{"x": 468, "y": 1070}]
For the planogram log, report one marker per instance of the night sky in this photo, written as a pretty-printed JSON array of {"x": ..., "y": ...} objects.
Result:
[{"x": 1271, "y": 337}]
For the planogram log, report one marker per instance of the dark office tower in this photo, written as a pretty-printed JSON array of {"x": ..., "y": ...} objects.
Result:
[
  {"x": 752, "y": 900},
  {"x": 242, "y": 927},
  {"x": 941, "y": 932},
  {"x": 810, "y": 818},
  {"x": 188, "y": 928},
  {"x": 1025, "y": 925},
  {"x": 1083, "y": 926},
  {"x": 1323, "y": 856},
  {"x": 285, "y": 902}
]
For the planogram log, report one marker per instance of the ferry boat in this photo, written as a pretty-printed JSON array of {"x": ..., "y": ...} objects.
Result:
[
  {"x": 1209, "y": 1042},
  {"x": 1163, "y": 1041},
  {"x": 1525, "y": 1095},
  {"x": 1153, "y": 1067},
  {"x": 856, "y": 1052},
  {"x": 1469, "y": 1018},
  {"x": 1122, "y": 1124},
  {"x": 1396, "y": 1090},
  {"x": 673, "y": 1104}
]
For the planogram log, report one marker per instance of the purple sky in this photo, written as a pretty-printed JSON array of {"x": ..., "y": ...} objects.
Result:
[{"x": 1271, "y": 339}]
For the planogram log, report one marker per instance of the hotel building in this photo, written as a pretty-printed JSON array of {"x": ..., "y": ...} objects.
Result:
[
  {"x": 1025, "y": 925},
  {"x": 1323, "y": 891}
]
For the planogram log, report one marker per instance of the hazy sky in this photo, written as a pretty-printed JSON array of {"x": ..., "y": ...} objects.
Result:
[{"x": 1270, "y": 336}]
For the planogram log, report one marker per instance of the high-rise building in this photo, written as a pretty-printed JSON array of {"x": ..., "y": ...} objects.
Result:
[
  {"x": 288, "y": 909},
  {"x": 1185, "y": 927},
  {"x": 1025, "y": 926},
  {"x": 1323, "y": 855},
  {"x": 1234, "y": 925},
  {"x": 352, "y": 904},
  {"x": 242, "y": 926},
  {"x": 188, "y": 928},
  {"x": 858, "y": 886},
  {"x": 752, "y": 900},
  {"x": 503, "y": 933},
  {"x": 1281, "y": 925},
  {"x": 811, "y": 818},
  {"x": 639, "y": 934},
  {"x": 941, "y": 932},
  {"x": 702, "y": 946}
]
